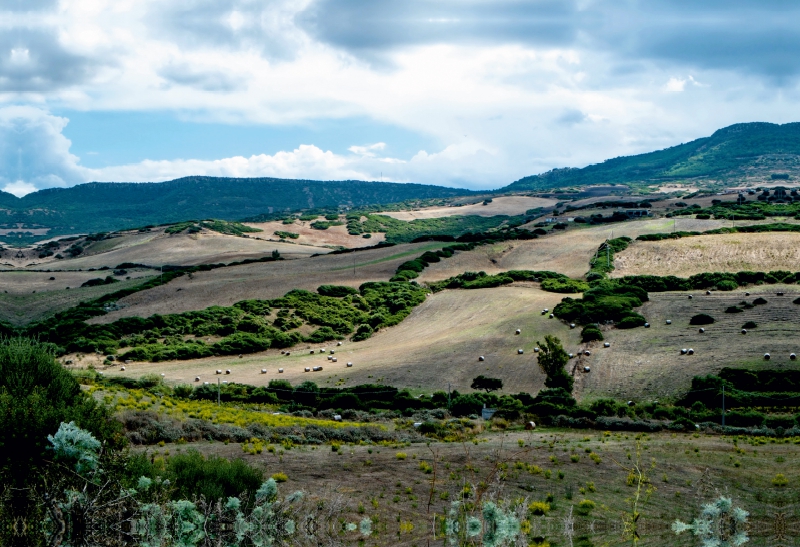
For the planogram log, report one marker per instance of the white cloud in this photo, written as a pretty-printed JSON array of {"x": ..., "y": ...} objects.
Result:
[
  {"x": 19, "y": 188},
  {"x": 675, "y": 84},
  {"x": 368, "y": 150}
]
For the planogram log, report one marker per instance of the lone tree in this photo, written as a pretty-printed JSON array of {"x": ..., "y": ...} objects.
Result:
[
  {"x": 488, "y": 384},
  {"x": 552, "y": 360}
]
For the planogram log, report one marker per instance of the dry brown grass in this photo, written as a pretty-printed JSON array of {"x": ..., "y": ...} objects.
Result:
[
  {"x": 20, "y": 282},
  {"x": 565, "y": 252},
  {"x": 711, "y": 253},
  {"x": 645, "y": 364},
  {"x": 511, "y": 205},
  {"x": 439, "y": 342},
  {"x": 226, "y": 286},
  {"x": 335, "y": 235},
  {"x": 157, "y": 247}
]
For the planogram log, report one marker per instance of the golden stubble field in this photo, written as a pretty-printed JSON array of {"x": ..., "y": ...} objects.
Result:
[
  {"x": 565, "y": 252},
  {"x": 510, "y": 205},
  {"x": 439, "y": 343},
  {"x": 225, "y": 286},
  {"x": 646, "y": 364},
  {"x": 711, "y": 253}
]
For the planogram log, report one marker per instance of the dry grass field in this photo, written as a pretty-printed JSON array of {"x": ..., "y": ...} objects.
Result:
[
  {"x": 335, "y": 235},
  {"x": 21, "y": 282},
  {"x": 720, "y": 252},
  {"x": 226, "y": 286},
  {"x": 21, "y": 307},
  {"x": 157, "y": 247},
  {"x": 439, "y": 343},
  {"x": 510, "y": 205},
  {"x": 565, "y": 252},
  {"x": 646, "y": 364}
]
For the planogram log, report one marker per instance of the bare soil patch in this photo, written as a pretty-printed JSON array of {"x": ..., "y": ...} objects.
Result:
[
  {"x": 226, "y": 286},
  {"x": 510, "y": 205},
  {"x": 711, "y": 253},
  {"x": 335, "y": 235},
  {"x": 439, "y": 343}
]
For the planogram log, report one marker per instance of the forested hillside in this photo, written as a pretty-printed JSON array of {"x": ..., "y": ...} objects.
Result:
[
  {"x": 731, "y": 154},
  {"x": 102, "y": 206}
]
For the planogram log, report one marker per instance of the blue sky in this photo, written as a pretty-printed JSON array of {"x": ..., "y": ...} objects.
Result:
[{"x": 472, "y": 93}]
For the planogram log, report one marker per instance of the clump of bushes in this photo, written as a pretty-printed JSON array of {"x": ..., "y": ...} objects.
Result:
[
  {"x": 701, "y": 319},
  {"x": 591, "y": 332}
]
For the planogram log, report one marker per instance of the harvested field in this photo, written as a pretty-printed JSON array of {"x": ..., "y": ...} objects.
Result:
[
  {"x": 157, "y": 247},
  {"x": 20, "y": 282},
  {"x": 565, "y": 252},
  {"x": 335, "y": 235},
  {"x": 226, "y": 286},
  {"x": 20, "y": 307},
  {"x": 646, "y": 364},
  {"x": 511, "y": 205},
  {"x": 711, "y": 253},
  {"x": 438, "y": 343}
]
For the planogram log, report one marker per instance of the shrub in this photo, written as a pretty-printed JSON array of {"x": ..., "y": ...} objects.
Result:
[
  {"x": 727, "y": 285},
  {"x": 585, "y": 507},
  {"x": 590, "y": 333},
  {"x": 564, "y": 285},
  {"x": 539, "y": 508},
  {"x": 750, "y": 325},
  {"x": 336, "y": 290},
  {"x": 759, "y": 301},
  {"x": 631, "y": 321},
  {"x": 279, "y": 477},
  {"x": 733, "y": 309},
  {"x": 701, "y": 319},
  {"x": 214, "y": 478},
  {"x": 780, "y": 480},
  {"x": 401, "y": 455}
]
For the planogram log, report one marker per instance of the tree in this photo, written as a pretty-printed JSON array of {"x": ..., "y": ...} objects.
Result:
[
  {"x": 486, "y": 383},
  {"x": 553, "y": 360}
]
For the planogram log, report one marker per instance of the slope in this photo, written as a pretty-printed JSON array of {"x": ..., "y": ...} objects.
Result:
[{"x": 735, "y": 152}]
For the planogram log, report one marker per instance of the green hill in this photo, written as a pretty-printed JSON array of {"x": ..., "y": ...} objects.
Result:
[
  {"x": 735, "y": 154},
  {"x": 103, "y": 206}
]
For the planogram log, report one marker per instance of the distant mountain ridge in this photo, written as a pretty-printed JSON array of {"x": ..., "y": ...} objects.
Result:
[
  {"x": 734, "y": 154},
  {"x": 104, "y": 206}
]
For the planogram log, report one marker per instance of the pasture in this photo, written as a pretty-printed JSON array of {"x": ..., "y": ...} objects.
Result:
[
  {"x": 333, "y": 236},
  {"x": 711, "y": 253},
  {"x": 439, "y": 343},
  {"x": 508, "y": 205},
  {"x": 225, "y": 286}
]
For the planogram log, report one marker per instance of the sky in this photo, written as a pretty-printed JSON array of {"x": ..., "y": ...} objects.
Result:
[{"x": 466, "y": 93}]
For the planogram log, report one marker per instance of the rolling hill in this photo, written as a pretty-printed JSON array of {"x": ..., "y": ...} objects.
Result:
[
  {"x": 735, "y": 154},
  {"x": 104, "y": 206}
]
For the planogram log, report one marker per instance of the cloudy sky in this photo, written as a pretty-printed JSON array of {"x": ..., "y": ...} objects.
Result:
[{"x": 471, "y": 93}]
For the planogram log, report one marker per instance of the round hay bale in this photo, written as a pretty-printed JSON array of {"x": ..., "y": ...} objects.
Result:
[
  {"x": 535, "y": 350},
  {"x": 779, "y": 294},
  {"x": 518, "y": 331},
  {"x": 792, "y": 356},
  {"x": 683, "y": 351},
  {"x": 227, "y": 371},
  {"x": 571, "y": 355},
  {"x": 337, "y": 417},
  {"x": 329, "y": 357},
  {"x": 606, "y": 345},
  {"x": 572, "y": 325},
  {"x": 312, "y": 352},
  {"x": 283, "y": 351},
  {"x": 708, "y": 292},
  {"x": 481, "y": 358},
  {"x": 288, "y": 353},
  {"x": 323, "y": 350},
  {"x": 317, "y": 369},
  {"x": 520, "y": 351},
  {"x": 122, "y": 368},
  {"x": 744, "y": 331},
  {"x": 543, "y": 312},
  {"x": 690, "y": 297},
  {"x": 766, "y": 357},
  {"x": 334, "y": 359},
  {"x": 205, "y": 383},
  {"x": 587, "y": 369},
  {"x": 338, "y": 343},
  {"x": 702, "y": 330},
  {"x": 647, "y": 325},
  {"x": 240, "y": 356},
  {"x": 163, "y": 375},
  {"x": 333, "y": 351},
  {"x": 690, "y": 351},
  {"x": 587, "y": 353},
  {"x": 546, "y": 310},
  {"x": 530, "y": 426},
  {"x": 263, "y": 371},
  {"x": 280, "y": 371},
  {"x": 224, "y": 381},
  {"x": 196, "y": 378},
  {"x": 308, "y": 369},
  {"x": 552, "y": 316},
  {"x": 747, "y": 294},
  {"x": 669, "y": 321},
  {"x": 349, "y": 365},
  {"x": 218, "y": 371}
]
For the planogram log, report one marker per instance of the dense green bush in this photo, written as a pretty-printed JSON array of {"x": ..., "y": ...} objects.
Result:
[
  {"x": 212, "y": 477},
  {"x": 605, "y": 301},
  {"x": 631, "y": 321},
  {"x": 701, "y": 319},
  {"x": 336, "y": 290},
  {"x": 564, "y": 286},
  {"x": 590, "y": 333}
]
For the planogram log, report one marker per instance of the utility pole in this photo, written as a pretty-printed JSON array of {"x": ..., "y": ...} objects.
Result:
[
  {"x": 219, "y": 387},
  {"x": 723, "y": 404},
  {"x": 448, "y": 395}
]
